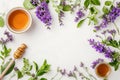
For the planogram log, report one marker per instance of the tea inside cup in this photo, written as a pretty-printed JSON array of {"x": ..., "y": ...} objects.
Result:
[{"x": 18, "y": 20}]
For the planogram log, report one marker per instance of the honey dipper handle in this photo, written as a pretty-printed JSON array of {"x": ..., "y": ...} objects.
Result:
[{"x": 6, "y": 69}]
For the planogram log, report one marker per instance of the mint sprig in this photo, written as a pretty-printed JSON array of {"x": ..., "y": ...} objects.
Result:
[{"x": 38, "y": 70}]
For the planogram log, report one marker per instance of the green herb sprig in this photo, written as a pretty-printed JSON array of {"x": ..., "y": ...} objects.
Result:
[{"x": 38, "y": 71}]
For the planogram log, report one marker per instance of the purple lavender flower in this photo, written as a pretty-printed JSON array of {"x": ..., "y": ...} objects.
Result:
[
  {"x": 104, "y": 32},
  {"x": 70, "y": 74},
  {"x": 97, "y": 28},
  {"x": 43, "y": 13},
  {"x": 112, "y": 32},
  {"x": 9, "y": 37},
  {"x": 80, "y": 14},
  {"x": 81, "y": 64},
  {"x": 63, "y": 72},
  {"x": 108, "y": 53},
  {"x": 99, "y": 47},
  {"x": 104, "y": 22},
  {"x": 111, "y": 17},
  {"x": 34, "y": 2},
  {"x": 75, "y": 68},
  {"x": 96, "y": 62},
  {"x": 118, "y": 4},
  {"x": 115, "y": 12}
]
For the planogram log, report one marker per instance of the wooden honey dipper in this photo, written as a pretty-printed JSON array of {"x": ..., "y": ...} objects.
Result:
[{"x": 17, "y": 54}]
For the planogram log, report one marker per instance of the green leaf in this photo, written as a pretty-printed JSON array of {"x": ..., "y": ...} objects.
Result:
[
  {"x": 1, "y": 58},
  {"x": 95, "y": 21},
  {"x": 45, "y": 68},
  {"x": 47, "y": 1},
  {"x": 80, "y": 23},
  {"x": 2, "y": 23},
  {"x": 115, "y": 64},
  {"x": 95, "y": 2},
  {"x": 87, "y": 3},
  {"x": 66, "y": 8},
  {"x": 28, "y": 73},
  {"x": 36, "y": 66},
  {"x": 31, "y": 78},
  {"x": 105, "y": 10},
  {"x": 10, "y": 69},
  {"x": 19, "y": 74},
  {"x": 93, "y": 10},
  {"x": 113, "y": 43},
  {"x": 27, "y": 66},
  {"x": 60, "y": 7},
  {"x": 2, "y": 68},
  {"x": 108, "y": 3},
  {"x": 28, "y": 5},
  {"x": 6, "y": 52},
  {"x": 43, "y": 79}
]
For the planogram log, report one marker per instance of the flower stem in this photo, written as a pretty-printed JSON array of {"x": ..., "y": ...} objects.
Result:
[
  {"x": 60, "y": 78},
  {"x": 116, "y": 28},
  {"x": 91, "y": 76},
  {"x": 54, "y": 76}
]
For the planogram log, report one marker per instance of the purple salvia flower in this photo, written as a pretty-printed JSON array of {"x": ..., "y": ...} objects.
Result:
[
  {"x": 94, "y": 64},
  {"x": 43, "y": 13},
  {"x": 108, "y": 53},
  {"x": 80, "y": 14},
  {"x": 111, "y": 17},
  {"x": 115, "y": 12},
  {"x": 9, "y": 37},
  {"x": 34, "y": 2},
  {"x": 91, "y": 41},
  {"x": 104, "y": 22},
  {"x": 97, "y": 28},
  {"x": 99, "y": 47}
]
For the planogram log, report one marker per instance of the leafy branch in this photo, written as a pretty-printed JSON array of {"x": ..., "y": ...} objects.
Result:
[{"x": 27, "y": 70}]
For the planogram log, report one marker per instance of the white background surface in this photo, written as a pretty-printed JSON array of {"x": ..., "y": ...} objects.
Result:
[{"x": 62, "y": 46}]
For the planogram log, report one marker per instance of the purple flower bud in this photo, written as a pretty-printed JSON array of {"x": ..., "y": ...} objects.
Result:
[
  {"x": 81, "y": 64},
  {"x": 63, "y": 72},
  {"x": 109, "y": 38},
  {"x": 16, "y": 69},
  {"x": 9, "y": 37},
  {"x": 75, "y": 68},
  {"x": 43, "y": 13},
  {"x": 96, "y": 62},
  {"x": 35, "y": 2},
  {"x": 80, "y": 14},
  {"x": 70, "y": 74},
  {"x": 101, "y": 48}
]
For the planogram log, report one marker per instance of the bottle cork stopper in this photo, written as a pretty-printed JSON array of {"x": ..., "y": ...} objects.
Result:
[{"x": 20, "y": 51}]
